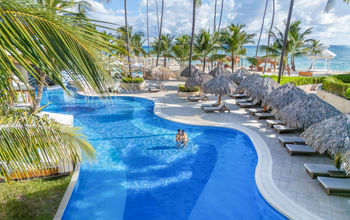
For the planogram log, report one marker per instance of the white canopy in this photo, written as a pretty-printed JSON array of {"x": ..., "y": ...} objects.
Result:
[{"x": 325, "y": 55}]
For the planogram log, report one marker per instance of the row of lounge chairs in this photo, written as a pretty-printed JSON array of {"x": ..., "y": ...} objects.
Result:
[{"x": 331, "y": 179}]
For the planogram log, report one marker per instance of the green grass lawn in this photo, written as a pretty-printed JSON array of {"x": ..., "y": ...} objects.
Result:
[{"x": 32, "y": 199}]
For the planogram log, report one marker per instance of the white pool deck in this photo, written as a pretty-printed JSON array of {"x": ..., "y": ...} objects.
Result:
[{"x": 281, "y": 178}]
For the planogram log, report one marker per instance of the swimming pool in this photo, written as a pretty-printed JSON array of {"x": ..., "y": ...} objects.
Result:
[{"x": 140, "y": 173}]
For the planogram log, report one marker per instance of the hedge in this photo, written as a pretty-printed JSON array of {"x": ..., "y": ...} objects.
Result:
[
  {"x": 133, "y": 80},
  {"x": 297, "y": 80},
  {"x": 182, "y": 88},
  {"x": 338, "y": 84}
]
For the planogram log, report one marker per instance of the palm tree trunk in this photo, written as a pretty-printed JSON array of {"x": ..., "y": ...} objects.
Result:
[
  {"x": 127, "y": 37},
  {"x": 165, "y": 61},
  {"x": 204, "y": 62},
  {"x": 272, "y": 21},
  {"x": 157, "y": 16},
  {"x": 261, "y": 30},
  {"x": 160, "y": 32},
  {"x": 192, "y": 35},
  {"x": 233, "y": 62},
  {"x": 39, "y": 93},
  {"x": 147, "y": 31},
  {"x": 216, "y": 1},
  {"x": 222, "y": 8},
  {"x": 285, "y": 39}
]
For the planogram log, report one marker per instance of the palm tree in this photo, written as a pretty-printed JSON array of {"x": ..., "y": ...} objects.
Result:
[
  {"x": 127, "y": 37},
  {"x": 330, "y": 4},
  {"x": 45, "y": 42},
  {"x": 314, "y": 47},
  {"x": 231, "y": 40},
  {"x": 222, "y": 8},
  {"x": 262, "y": 28},
  {"x": 164, "y": 47},
  {"x": 147, "y": 30},
  {"x": 160, "y": 32},
  {"x": 181, "y": 49},
  {"x": 214, "y": 29},
  {"x": 204, "y": 46},
  {"x": 271, "y": 26},
  {"x": 285, "y": 38},
  {"x": 195, "y": 3}
]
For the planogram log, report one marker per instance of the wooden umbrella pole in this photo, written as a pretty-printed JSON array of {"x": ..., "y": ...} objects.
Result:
[{"x": 219, "y": 99}]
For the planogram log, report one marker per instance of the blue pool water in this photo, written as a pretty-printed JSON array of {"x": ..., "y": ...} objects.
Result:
[{"x": 140, "y": 173}]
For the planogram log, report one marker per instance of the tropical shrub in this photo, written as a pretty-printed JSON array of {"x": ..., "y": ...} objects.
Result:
[
  {"x": 133, "y": 80},
  {"x": 298, "y": 80},
  {"x": 338, "y": 84},
  {"x": 182, "y": 88}
]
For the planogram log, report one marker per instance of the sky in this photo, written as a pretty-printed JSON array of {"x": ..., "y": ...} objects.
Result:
[{"x": 332, "y": 28}]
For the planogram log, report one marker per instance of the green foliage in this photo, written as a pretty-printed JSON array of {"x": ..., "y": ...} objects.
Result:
[
  {"x": 182, "y": 88},
  {"x": 338, "y": 85},
  {"x": 338, "y": 160},
  {"x": 133, "y": 80},
  {"x": 32, "y": 199},
  {"x": 253, "y": 61},
  {"x": 297, "y": 80}
]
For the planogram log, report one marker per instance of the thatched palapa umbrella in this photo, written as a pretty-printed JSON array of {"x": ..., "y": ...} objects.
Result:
[
  {"x": 262, "y": 88},
  {"x": 239, "y": 75},
  {"x": 161, "y": 73},
  {"x": 198, "y": 78},
  {"x": 283, "y": 96},
  {"x": 219, "y": 70},
  {"x": 186, "y": 71},
  {"x": 329, "y": 136},
  {"x": 302, "y": 113},
  {"x": 248, "y": 82},
  {"x": 220, "y": 85}
]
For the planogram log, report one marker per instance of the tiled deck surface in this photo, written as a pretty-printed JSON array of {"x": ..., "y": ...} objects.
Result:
[{"x": 288, "y": 173}]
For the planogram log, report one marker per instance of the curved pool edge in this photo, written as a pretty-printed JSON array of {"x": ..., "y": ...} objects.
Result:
[
  {"x": 263, "y": 172},
  {"x": 67, "y": 194}
]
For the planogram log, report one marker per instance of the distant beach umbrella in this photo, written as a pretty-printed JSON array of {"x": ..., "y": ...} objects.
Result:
[
  {"x": 283, "y": 96},
  {"x": 248, "y": 82},
  {"x": 239, "y": 75},
  {"x": 219, "y": 70},
  {"x": 262, "y": 88},
  {"x": 186, "y": 71},
  {"x": 329, "y": 136},
  {"x": 304, "y": 112},
  {"x": 220, "y": 85},
  {"x": 161, "y": 73},
  {"x": 198, "y": 78}
]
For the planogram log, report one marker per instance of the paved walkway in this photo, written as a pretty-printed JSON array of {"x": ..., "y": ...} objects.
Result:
[{"x": 288, "y": 173}]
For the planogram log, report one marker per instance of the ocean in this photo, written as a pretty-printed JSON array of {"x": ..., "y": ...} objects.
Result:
[{"x": 340, "y": 63}]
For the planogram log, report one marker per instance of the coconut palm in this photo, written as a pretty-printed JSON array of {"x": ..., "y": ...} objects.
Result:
[
  {"x": 164, "y": 47},
  {"x": 231, "y": 40},
  {"x": 181, "y": 49},
  {"x": 214, "y": 28},
  {"x": 271, "y": 26},
  {"x": 222, "y": 8},
  {"x": 127, "y": 37},
  {"x": 314, "y": 47},
  {"x": 330, "y": 4},
  {"x": 45, "y": 42},
  {"x": 135, "y": 41},
  {"x": 204, "y": 46},
  {"x": 147, "y": 30},
  {"x": 261, "y": 29},
  {"x": 160, "y": 34},
  {"x": 195, "y": 3}
]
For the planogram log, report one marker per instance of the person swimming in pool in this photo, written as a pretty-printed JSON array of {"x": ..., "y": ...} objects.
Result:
[
  {"x": 178, "y": 138},
  {"x": 184, "y": 138}
]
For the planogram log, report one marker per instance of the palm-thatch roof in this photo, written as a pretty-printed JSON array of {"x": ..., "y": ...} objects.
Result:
[
  {"x": 249, "y": 82},
  {"x": 262, "y": 88},
  {"x": 346, "y": 160},
  {"x": 283, "y": 96},
  {"x": 160, "y": 73},
  {"x": 239, "y": 75},
  {"x": 219, "y": 70},
  {"x": 304, "y": 112},
  {"x": 198, "y": 78},
  {"x": 220, "y": 85},
  {"x": 186, "y": 71},
  {"x": 329, "y": 136}
]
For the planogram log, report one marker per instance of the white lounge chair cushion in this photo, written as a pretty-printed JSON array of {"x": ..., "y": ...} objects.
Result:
[
  {"x": 216, "y": 108},
  {"x": 210, "y": 105},
  {"x": 335, "y": 183},
  {"x": 300, "y": 149},
  {"x": 283, "y": 128},
  {"x": 319, "y": 168},
  {"x": 291, "y": 140},
  {"x": 271, "y": 123}
]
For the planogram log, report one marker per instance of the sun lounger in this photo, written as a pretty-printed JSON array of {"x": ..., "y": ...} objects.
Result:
[
  {"x": 315, "y": 170},
  {"x": 238, "y": 96},
  {"x": 219, "y": 108},
  {"x": 282, "y": 129},
  {"x": 252, "y": 111},
  {"x": 210, "y": 105},
  {"x": 290, "y": 140},
  {"x": 335, "y": 185},
  {"x": 244, "y": 101},
  {"x": 248, "y": 104},
  {"x": 193, "y": 98},
  {"x": 271, "y": 123},
  {"x": 296, "y": 149},
  {"x": 155, "y": 88},
  {"x": 265, "y": 115}
]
